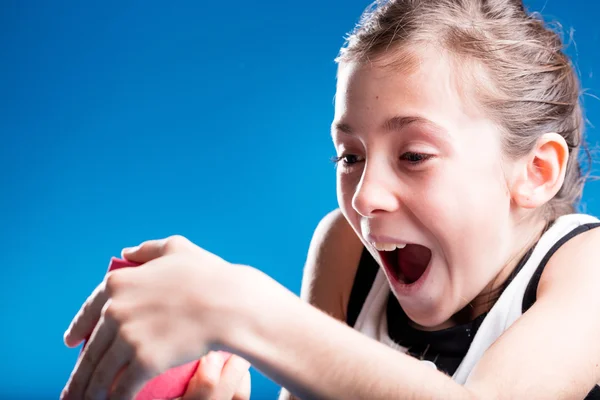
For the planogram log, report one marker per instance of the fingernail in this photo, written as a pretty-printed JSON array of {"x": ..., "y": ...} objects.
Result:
[
  {"x": 130, "y": 249},
  {"x": 67, "y": 336},
  {"x": 214, "y": 364},
  {"x": 211, "y": 368},
  {"x": 214, "y": 358}
]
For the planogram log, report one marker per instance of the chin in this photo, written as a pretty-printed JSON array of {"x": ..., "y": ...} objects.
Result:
[
  {"x": 429, "y": 318},
  {"x": 434, "y": 308}
]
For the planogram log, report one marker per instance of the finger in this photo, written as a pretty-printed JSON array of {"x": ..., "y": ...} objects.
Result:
[
  {"x": 243, "y": 391},
  {"x": 108, "y": 370},
  {"x": 232, "y": 375},
  {"x": 148, "y": 250},
  {"x": 153, "y": 249},
  {"x": 86, "y": 318},
  {"x": 130, "y": 382},
  {"x": 100, "y": 341},
  {"x": 206, "y": 378}
]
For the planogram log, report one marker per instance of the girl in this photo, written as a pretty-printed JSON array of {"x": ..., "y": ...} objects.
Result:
[{"x": 456, "y": 266}]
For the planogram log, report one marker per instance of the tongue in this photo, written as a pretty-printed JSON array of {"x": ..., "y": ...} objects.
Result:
[{"x": 413, "y": 260}]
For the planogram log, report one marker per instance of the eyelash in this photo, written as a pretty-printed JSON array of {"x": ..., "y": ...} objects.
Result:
[
  {"x": 404, "y": 157},
  {"x": 336, "y": 160}
]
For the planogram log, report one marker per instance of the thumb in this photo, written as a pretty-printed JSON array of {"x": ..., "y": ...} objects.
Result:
[
  {"x": 206, "y": 378},
  {"x": 152, "y": 249}
]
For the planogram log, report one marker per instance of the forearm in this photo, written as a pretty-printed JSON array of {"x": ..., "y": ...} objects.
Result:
[{"x": 317, "y": 357}]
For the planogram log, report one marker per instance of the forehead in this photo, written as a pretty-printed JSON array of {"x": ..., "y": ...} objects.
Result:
[
  {"x": 370, "y": 95},
  {"x": 428, "y": 87}
]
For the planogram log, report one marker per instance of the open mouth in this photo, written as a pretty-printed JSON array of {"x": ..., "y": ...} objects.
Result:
[{"x": 408, "y": 264}]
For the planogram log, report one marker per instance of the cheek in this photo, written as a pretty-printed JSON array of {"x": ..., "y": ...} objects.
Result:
[
  {"x": 473, "y": 188},
  {"x": 488, "y": 191},
  {"x": 346, "y": 185},
  {"x": 464, "y": 206}
]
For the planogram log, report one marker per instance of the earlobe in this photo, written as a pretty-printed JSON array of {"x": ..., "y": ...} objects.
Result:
[{"x": 543, "y": 172}]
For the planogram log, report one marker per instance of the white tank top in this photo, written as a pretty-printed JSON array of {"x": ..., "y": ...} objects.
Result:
[{"x": 372, "y": 319}]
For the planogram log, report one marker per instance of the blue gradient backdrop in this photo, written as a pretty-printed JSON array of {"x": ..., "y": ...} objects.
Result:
[{"x": 124, "y": 121}]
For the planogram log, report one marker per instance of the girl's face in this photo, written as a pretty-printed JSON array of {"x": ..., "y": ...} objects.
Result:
[{"x": 419, "y": 166}]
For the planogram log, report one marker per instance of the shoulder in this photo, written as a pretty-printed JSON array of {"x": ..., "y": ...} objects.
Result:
[
  {"x": 553, "y": 347},
  {"x": 569, "y": 293},
  {"x": 575, "y": 266},
  {"x": 331, "y": 265}
]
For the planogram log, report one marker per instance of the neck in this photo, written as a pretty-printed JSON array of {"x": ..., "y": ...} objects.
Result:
[{"x": 528, "y": 234}]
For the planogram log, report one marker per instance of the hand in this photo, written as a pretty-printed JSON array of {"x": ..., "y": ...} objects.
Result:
[
  {"x": 219, "y": 377},
  {"x": 145, "y": 320}
]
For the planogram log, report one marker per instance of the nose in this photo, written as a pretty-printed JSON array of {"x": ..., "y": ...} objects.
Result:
[{"x": 376, "y": 192}]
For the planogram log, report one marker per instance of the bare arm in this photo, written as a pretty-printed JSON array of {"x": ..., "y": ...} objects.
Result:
[
  {"x": 552, "y": 351},
  {"x": 330, "y": 267}
]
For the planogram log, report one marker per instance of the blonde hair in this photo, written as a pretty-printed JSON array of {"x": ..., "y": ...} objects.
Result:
[{"x": 524, "y": 79}]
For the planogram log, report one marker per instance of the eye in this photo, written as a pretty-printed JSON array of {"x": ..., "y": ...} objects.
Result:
[
  {"x": 346, "y": 159},
  {"x": 415, "y": 158}
]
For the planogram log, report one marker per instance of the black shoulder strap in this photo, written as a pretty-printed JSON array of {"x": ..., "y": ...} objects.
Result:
[
  {"x": 594, "y": 394},
  {"x": 531, "y": 291},
  {"x": 363, "y": 281}
]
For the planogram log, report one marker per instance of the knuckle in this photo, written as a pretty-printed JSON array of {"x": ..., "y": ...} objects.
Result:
[
  {"x": 142, "y": 246},
  {"x": 91, "y": 360},
  {"x": 86, "y": 363},
  {"x": 115, "y": 311},
  {"x": 114, "y": 281},
  {"x": 176, "y": 243},
  {"x": 130, "y": 337},
  {"x": 207, "y": 384}
]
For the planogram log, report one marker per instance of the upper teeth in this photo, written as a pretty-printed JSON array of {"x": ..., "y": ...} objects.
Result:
[{"x": 389, "y": 246}]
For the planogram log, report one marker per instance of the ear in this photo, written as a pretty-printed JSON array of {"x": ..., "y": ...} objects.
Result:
[{"x": 542, "y": 173}]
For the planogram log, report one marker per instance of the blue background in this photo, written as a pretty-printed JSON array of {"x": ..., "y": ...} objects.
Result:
[{"x": 124, "y": 121}]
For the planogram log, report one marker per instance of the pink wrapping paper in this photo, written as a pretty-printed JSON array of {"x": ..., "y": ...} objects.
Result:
[{"x": 173, "y": 383}]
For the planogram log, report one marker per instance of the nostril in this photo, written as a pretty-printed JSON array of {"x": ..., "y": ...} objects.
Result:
[{"x": 376, "y": 192}]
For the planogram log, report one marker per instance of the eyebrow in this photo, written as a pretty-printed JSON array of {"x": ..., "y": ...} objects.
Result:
[{"x": 398, "y": 123}]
